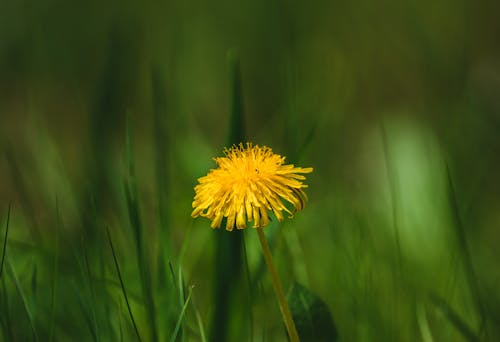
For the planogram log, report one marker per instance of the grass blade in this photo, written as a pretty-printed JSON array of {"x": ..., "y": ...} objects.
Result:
[
  {"x": 464, "y": 249},
  {"x": 24, "y": 300},
  {"x": 199, "y": 321},
  {"x": 117, "y": 267},
  {"x": 228, "y": 245},
  {"x": 88, "y": 275},
  {"x": 6, "y": 313},
  {"x": 4, "y": 248},
  {"x": 142, "y": 253},
  {"x": 162, "y": 154},
  {"x": 181, "y": 315}
]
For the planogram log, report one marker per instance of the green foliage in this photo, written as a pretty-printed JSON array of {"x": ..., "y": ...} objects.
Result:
[
  {"x": 109, "y": 114},
  {"x": 311, "y": 315}
]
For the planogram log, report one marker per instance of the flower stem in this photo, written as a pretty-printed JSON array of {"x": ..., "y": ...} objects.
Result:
[{"x": 278, "y": 288}]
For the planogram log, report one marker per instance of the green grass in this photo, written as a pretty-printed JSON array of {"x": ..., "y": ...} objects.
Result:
[{"x": 108, "y": 117}]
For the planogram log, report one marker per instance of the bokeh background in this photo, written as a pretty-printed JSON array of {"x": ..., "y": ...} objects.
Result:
[{"x": 109, "y": 112}]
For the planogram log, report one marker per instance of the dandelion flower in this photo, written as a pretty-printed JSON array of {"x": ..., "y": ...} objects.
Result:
[{"x": 250, "y": 182}]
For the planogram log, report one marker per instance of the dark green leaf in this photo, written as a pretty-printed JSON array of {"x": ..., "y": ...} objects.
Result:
[{"x": 311, "y": 315}]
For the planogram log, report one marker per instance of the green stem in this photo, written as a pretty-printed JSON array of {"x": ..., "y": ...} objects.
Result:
[{"x": 278, "y": 288}]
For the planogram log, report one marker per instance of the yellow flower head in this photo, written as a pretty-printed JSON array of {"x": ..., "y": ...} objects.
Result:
[{"x": 249, "y": 182}]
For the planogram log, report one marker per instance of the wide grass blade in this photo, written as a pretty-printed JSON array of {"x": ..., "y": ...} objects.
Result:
[
  {"x": 465, "y": 253},
  {"x": 237, "y": 120},
  {"x": 228, "y": 244},
  {"x": 162, "y": 154},
  {"x": 143, "y": 256}
]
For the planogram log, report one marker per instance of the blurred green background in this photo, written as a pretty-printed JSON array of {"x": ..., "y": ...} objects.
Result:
[{"x": 109, "y": 112}]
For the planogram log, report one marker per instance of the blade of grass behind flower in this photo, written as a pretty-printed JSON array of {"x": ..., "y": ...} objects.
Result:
[
  {"x": 228, "y": 245},
  {"x": 135, "y": 221},
  {"x": 106, "y": 119},
  {"x": 237, "y": 120},
  {"x": 294, "y": 143},
  {"x": 290, "y": 116},
  {"x": 122, "y": 285},
  {"x": 294, "y": 151}
]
